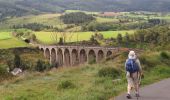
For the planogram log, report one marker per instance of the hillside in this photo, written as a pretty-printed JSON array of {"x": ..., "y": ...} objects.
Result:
[
  {"x": 24, "y": 7},
  {"x": 97, "y": 5},
  {"x": 86, "y": 82}
]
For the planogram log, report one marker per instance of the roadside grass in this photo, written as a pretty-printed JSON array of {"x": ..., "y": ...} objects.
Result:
[
  {"x": 49, "y": 37},
  {"x": 77, "y": 83}
]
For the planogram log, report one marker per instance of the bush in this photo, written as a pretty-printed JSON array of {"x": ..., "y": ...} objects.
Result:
[
  {"x": 164, "y": 55},
  {"x": 108, "y": 72},
  {"x": 42, "y": 66},
  {"x": 17, "y": 61},
  {"x": 27, "y": 65},
  {"x": 92, "y": 61},
  {"x": 66, "y": 85},
  {"x": 3, "y": 72}
]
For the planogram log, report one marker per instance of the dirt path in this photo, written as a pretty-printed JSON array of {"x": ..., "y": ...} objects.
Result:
[{"x": 157, "y": 91}]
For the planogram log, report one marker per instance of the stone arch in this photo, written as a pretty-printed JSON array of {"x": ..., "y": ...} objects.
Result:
[
  {"x": 67, "y": 57},
  {"x": 47, "y": 53},
  {"x": 83, "y": 56},
  {"x": 53, "y": 57},
  {"x": 74, "y": 58},
  {"x": 100, "y": 55},
  {"x": 60, "y": 57},
  {"x": 91, "y": 57},
  {"x": 109, "y": 53},
  {"x": 42, "y": 49}
]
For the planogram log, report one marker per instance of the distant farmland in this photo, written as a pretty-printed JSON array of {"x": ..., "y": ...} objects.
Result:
[
  {"x": 7, "y": 41},
  {"x": 50, "y": 37}
]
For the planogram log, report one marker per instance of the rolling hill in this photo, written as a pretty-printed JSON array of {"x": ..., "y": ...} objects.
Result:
[{"x": 25, "y": 7}]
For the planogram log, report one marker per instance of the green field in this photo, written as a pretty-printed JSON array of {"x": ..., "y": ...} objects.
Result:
[
  {"x": 87, "y": 12},
  {"x": 48, "y": 37},
  {"x": 7, "y": 41},
  {"x": 106, "y": 20},
  {"x": 4, "y": 35},
  {"x": 46, "y": 19}
]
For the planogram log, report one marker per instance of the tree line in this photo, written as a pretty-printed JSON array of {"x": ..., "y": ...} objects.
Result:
[
  {"x": 158, "y": 35},
  {"x": 35, "y": 27},
  {"x": 76, "y": 18}
]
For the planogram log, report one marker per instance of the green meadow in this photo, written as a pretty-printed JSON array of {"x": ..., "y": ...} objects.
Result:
[
  {"x": 87, "y": 12},
  {"x": 8, "y": 41},
  {"x": 52, "y": 37}
]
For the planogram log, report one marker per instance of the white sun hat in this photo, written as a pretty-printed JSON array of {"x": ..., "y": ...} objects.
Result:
[{"x": 132, "y": 55}]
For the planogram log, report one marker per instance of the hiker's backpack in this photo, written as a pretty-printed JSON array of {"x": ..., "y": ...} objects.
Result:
[{"x": 132, "y": 66}]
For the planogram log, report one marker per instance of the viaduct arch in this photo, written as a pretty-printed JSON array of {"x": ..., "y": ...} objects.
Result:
[{"x": 74, "y": 55}]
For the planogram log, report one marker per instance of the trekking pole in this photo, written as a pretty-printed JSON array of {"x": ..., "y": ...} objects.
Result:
[{"x": 139, "y": 77}]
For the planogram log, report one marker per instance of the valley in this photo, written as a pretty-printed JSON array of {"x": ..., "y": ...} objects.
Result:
[{"x": 76, "y": 49}]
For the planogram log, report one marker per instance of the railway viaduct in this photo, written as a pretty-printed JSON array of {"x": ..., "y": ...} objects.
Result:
[{"x": 74, "y": 55}]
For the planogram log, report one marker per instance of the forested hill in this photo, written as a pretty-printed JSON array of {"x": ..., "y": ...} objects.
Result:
[{"x": 21, "y": 7}]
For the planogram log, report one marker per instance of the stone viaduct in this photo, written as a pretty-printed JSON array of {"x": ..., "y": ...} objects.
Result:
[{"x": 74, "y": 55}]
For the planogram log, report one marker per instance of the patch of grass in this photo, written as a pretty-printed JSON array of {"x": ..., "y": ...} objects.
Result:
[
  {"x": 12, "y": 43},
  {"x": 66, "y": 85},
  {"x": 7, "y": 41},
  {"x": 5, "y": 35},
  {"x": 106, "y": 20},
  {"x": 87, "y": 12}
]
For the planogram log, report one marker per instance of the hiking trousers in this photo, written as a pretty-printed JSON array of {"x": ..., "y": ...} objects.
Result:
[{"x": 133, "y": 81}]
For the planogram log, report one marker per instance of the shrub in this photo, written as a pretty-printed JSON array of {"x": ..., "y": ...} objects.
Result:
[
  {"x": 66, "y": 85},
  {"x": 108, "y": 72},
  {"x": 41, "y": 66},
  {"x": 17, "y": 61},
  {"x": 27, "y": 65},
  {"x": 164, "y": 55},
  {"x": 3, "y": 72},
  {"x": 61, "y": 41},
  {"x": 10, "y": 64},
  {"x": 92, "y": 61}
]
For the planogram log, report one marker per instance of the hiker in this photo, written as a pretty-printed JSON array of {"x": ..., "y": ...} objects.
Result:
[{"x": 133, "y": 73}]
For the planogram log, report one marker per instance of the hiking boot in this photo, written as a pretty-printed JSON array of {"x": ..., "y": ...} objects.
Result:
[
  {"x": 137, "y": 95},
  {"x": 128, "y": 96}
]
